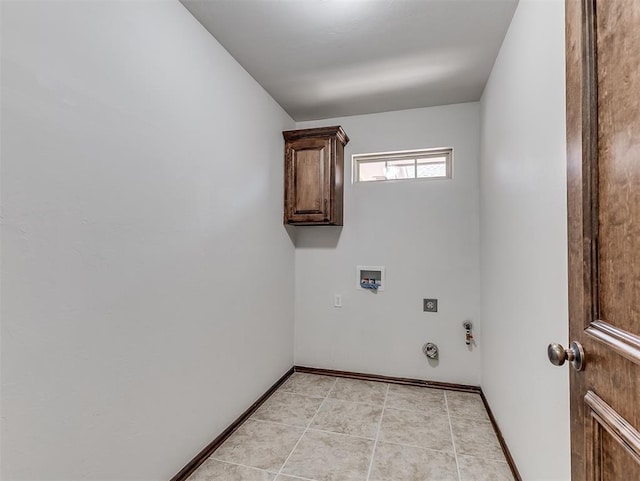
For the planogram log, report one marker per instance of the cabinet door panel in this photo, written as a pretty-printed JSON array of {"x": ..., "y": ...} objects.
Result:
[
  {"x": 310, "y": 176},
  {"x": 308, "y": 193}
]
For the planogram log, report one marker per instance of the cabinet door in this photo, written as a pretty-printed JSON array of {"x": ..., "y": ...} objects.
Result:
[{"x": 308, "y": 181}]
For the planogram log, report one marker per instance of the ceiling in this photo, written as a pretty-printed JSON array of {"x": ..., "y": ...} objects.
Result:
[{"x": 332, "y": 58}]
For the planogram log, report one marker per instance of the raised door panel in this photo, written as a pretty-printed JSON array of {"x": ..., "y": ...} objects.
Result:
[
  {"x": 614, "y": 331},
  {"x": 308, "y": 167},
  {"x": 615, "y": 444},
  {"x": 618, "y": 76}
]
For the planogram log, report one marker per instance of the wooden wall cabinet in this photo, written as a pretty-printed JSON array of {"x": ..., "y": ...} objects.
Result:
[{"x": 314, "y": 176}]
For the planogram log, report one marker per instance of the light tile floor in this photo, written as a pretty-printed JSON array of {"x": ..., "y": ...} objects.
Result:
[{"x": 321, "y": 428}]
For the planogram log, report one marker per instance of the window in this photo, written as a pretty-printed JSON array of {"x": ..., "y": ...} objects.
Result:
[{"x": 408, "y": 164}]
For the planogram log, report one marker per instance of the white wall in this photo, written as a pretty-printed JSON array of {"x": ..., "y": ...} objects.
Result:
[
  {"x": 524, "y": 241},
  {"x": 426, "y": 235},
  {"x": 147, "y": 280}
]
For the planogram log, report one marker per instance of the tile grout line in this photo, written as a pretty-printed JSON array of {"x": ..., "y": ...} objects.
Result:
[
  {"x": 307, "y": 428},
  {"x": 340, "y": 434},
  {"x": 341, "y": 400},
  {"x": 367, "y": 439},
  {"x": 455, "y": 451},
  {"x": 253, "y": 468},
  {"x": 314, "y": 429},
  {"x": 385, "y": 407},
  {"x": 375, "y": 443},
  {"x": 362, "y": 403}
]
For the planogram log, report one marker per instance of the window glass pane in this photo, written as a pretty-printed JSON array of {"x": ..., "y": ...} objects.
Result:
[
  {"x": 371, "y": 171},
  {"x": 433, "y": 167},
  {"x": 401, "y": 169},
  {"x": 403, "y": 165}
]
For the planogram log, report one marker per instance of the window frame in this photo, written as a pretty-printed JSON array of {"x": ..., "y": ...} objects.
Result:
[{"x": 416, "y": 155}]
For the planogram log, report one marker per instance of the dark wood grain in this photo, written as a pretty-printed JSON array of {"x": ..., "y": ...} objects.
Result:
[
  {"x": 618, "y": 136},
  {"x": 331, "y": 131},
  {"x": 208, "y": 450},
  {"x": 622, "y": 342},
  {"x": 308, "y": 161},
  {"x": 614, "y": 374},
  {"x": 616, "y": 425},
  {"x": 611, "y": 434},
  {"x": 314, "y": 176},
  {"x": 603, "y": 180},
  {"x": 579, "y": 246}
]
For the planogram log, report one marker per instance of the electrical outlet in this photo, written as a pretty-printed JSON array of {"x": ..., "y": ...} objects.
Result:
[{"x": 430, "y": 305}]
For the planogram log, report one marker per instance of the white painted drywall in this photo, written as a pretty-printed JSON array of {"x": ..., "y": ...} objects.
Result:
[
  {"x": 524, "y": 241},
  {"x": 147, "y": 279},
  {"x": 426, "y": 235}
]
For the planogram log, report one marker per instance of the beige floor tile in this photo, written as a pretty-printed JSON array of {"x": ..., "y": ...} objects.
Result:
[
  {"x": 254, "y": 444},
  {"x": 412, "y": 428},
  {"x": 309, "y": 384},
  {"x": 466, "y": 405},
  {"x": 348, "y": 418},
  {"x": 330, "y": 457},
  {"x": 355, "y": 390},
  {"x": 478, "y": 469},
  {"x": 414, "y": 439},
  {"x": 393, "y": 462},
  {"x": 212, "y": 470},
  {"x": 476, "y": 438},
  {"x": 288, "y": 408},
  {"x": 416, "y": 399}
]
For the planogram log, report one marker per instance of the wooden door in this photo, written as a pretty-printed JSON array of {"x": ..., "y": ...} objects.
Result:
[
  {"x": 308, "y": 178},
  {"x": 603, "y": 148}
]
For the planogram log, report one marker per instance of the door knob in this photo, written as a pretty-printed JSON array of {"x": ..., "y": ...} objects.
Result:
[{"x": 558, "y": 355}]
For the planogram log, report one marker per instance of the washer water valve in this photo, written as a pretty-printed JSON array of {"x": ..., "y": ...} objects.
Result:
[
  {"x": 468, "y": 325},
  {"x": 431, "y": 350}
]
